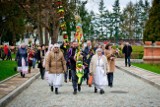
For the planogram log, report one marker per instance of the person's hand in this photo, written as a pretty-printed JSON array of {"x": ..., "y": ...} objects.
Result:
[{"x": 90, "y": 74}]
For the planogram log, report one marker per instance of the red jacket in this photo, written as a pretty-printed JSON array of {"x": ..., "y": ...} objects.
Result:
[
  {"x": 6, "y": 49},
  {"x": 30, "y": 56}
]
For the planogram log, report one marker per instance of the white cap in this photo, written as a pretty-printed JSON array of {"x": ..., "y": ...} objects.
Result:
[{"x": 56, "y": 45}]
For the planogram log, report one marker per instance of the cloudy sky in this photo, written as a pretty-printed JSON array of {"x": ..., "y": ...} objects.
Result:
[{"x": 93, "y": 4}]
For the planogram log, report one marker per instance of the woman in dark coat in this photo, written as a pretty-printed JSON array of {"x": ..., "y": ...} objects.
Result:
[
  {"x": 40, "y": 57},
  {"x": 21, "y": 58}
]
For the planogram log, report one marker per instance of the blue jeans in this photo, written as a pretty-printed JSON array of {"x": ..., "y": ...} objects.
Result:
[
  {"x": 127, "y": 58},
  {"x": 74, "y": 79},
  {"x": 34, "y": 62}
]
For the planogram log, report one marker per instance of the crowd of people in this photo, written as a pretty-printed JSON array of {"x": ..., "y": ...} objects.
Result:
[
  {"x": 57, "y": 63},
  {"x": 5, "y": 53}
]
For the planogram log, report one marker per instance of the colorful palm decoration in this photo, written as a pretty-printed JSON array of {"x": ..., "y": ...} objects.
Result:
[
  {"x": 78, "y": 56},
  {"x": 62, "y": 23}
]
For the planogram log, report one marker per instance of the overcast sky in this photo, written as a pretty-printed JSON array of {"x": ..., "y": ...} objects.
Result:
[{"x": 93, "y": 4}]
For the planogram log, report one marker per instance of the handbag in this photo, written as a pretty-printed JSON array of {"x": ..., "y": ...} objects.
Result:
[{"x": 90, "y": 80}]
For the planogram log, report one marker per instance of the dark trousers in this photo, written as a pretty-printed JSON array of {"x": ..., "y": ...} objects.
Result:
[
  {"x": 74, "y": 79},
  {"x": 110, "y": 79},
  {"x": 4, "y": 56},
  {"x": 9, "y": 57},
  {"x": 86, "y": 74},
  {"x": 127, "y": 60},
  {"x": 42, "y": 72},
  {"x": 68, "y": 72}
]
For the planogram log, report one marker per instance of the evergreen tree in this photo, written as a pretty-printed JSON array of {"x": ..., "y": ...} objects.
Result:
[
  {"x": 116, "y": 17},
  {"x": 142, "y": 11},
  {"x": 138, "y": 19},
  {"x": 86, "y": 20},
  {"x": 128, "y": 20},
  {"x": 100, "y": 19},
  {"x": 109, "y": 24},
  {"x": 152, "y": 27}
]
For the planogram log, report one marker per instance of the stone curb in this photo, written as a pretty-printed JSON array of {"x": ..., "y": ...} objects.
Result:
[
  {"x": 144, "y": 70},
  {"x": 9, "y": 77},
  {"x": 5, "y": 100},
  {"x": 140, "y": 77}
]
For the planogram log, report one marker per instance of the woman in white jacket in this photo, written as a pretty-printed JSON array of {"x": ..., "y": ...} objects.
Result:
[
  {"x": 50, "y": 48},
  {"x": 98, "y": 68}
]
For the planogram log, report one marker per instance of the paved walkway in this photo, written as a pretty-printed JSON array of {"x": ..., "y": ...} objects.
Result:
[
  {"x": 150, "y": 77},
  {"x": 127, "y": 91},
  {"x": 10, "y": 87}
]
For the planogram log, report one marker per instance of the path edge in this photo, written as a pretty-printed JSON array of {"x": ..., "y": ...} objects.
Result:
[
  {"x": 8, "y": 98},
  {"x": 140, "y": 77}
]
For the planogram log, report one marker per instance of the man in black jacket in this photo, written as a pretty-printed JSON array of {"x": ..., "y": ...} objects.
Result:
[
  {"x": 88, "y": 47},
  {"x": 71, "y": 56},
  {"x": 127, "y": 50},
  {"x": 64, "y": 47},
  {"x": 40, "y": 57}
]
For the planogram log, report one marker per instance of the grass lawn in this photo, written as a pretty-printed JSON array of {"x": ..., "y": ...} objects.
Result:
[
  {"x": 13, "y": 56},
  {"x": 7, "y": 69},
  {"x": 151, "y": 67},
  {"x": 137, "y": 52}
]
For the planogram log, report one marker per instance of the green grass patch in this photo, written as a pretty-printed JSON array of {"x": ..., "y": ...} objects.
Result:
[
  {"x": 150, "y": 67},
  {"x": 7, "y": 69},
  {"x": 138, "y": 48},
  {"x": 137, "y": 52},
  {"x": 13, "y": 56}
]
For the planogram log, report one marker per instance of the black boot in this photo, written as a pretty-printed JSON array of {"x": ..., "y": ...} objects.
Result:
[
  {"x": 65, "y": 81},
  {"x": 52, "y": 88},
  {"x": 79, "y": 87},
  {"x": 21, "y": 74},
  {"x": 75, "y": 92},
  {"x": 101, "y": 91},
  {"x": 95, "y": 90},
  {"x": 110, "y": 85},
  {"x": 56, "y": 91}
]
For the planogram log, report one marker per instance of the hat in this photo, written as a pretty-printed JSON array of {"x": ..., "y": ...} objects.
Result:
[{"x": 56, "y": 45}]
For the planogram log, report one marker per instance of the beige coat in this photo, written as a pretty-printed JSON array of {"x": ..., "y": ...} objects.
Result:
[
  {"x": 55, "y": 63},
  {"x": 93, "y": 63},
  {"x": 111, "y": 63}
]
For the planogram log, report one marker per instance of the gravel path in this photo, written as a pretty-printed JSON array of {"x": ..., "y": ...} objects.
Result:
[{"x": 128, "y": 91}]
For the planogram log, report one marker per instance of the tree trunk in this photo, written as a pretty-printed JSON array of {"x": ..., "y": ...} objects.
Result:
[
  {"x": 46, "y": 37},
  {"x": 0, "y": 40},
  {"x": 54, "y": 37},
  {"x": 40, "y": 34},
  {"x": 14, "y": 39}
]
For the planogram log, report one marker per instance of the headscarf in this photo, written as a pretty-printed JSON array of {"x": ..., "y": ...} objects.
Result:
[{"x": 99, "y": 49}]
